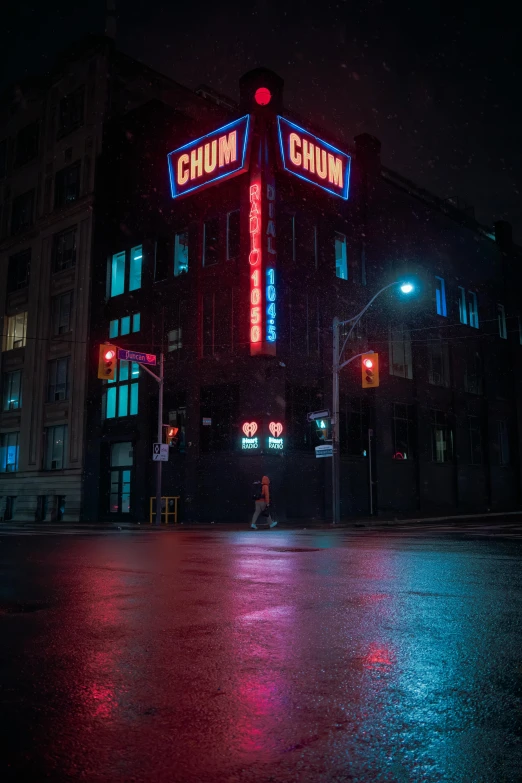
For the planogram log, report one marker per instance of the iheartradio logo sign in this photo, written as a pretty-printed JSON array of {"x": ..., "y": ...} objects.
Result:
[
  {"x": 250, "y": 428},
  {"x": 276, "y": 428}
]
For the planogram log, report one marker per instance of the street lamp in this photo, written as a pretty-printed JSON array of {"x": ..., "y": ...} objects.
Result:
[{"x": 406, "y": 287}]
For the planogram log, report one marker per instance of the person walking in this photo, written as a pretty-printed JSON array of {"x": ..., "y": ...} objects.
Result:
[{"x": 262, "y": 501}]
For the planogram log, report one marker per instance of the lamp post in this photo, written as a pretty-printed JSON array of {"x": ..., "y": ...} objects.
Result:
[{"x": 337, "y": 366}]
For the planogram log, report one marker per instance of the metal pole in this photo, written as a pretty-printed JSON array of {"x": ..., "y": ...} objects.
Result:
[
  {"x": 160, "y": 440},
  {"x": 370, "y": 478},
  {"x": 336, "y": 504}
]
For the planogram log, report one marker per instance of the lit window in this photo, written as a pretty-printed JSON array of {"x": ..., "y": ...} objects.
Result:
[
  {"x": 125, "y": 325},
  {"x": 136, "y": 259},
  {"x": 440, "y": 296},
  {"x": 341, "y": 260},
  {"x": 12, "y": 391},
  {"x": 400, "y": 352},
  {"x": 15, "y": 331},
  {"x": 113, "y": 328},
  {"x": 9, "y": 452},
  {"x": 473, "y": 310},
  {"x": 56, "y": 452},
  {"x": 501, "y": 315},
  {"x": 174, "y": 338},
  {"x": 136, "y": 320},
  {"x": 58, "y": 380},
  {"x": 119, "y": 395},
  {"x": 233, "y": 234},
  {"x": 118, "y": 274},
  {"x": 463, "y": 313},
  {"x": 181, "y": 253}
]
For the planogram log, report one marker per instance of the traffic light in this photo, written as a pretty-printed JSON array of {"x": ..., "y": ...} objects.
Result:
[
  {"x": 171, "y": 434},
  {"x": 322, "y": 430},
  {"x": 107, "y": 362},
  {"x": 370, "y": 370}
]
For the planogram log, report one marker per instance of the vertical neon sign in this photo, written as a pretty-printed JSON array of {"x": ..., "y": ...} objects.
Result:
[
  {"x": 271, "y": 291},
  {"x": 256, "y": 267}
]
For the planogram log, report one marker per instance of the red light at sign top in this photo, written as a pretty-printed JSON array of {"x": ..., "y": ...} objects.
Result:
[
  {"x": 368, "y": 363},
  {"x": 263, "y": 96},
  {"x": 110, "y": 355}
]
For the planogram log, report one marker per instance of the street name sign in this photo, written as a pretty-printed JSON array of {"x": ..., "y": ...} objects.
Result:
[
  {"x": 324, "y": 451},
  {"x": 160, "y": 452},
  {"x": 317, "y": 415},
  {"x": 135, "y": 356}
]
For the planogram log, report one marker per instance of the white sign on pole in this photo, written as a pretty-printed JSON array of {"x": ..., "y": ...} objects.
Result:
[
  {"x": 324, "y": 451},
  {"x": 313, "y": 415},
  {"x": 160, "y": 452}
]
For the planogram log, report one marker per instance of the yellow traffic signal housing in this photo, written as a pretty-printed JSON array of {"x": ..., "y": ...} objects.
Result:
[
  {"x": 107, "y": 362},
  {"x": 370, "y": 370}
]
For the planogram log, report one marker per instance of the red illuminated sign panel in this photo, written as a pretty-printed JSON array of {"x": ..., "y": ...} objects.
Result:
[
  {"x": 313, "y": 159},
  {"x": 213, "y": 158}
]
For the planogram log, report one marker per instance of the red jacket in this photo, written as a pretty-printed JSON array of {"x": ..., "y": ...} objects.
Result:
[{"x": 265, "y": 490}]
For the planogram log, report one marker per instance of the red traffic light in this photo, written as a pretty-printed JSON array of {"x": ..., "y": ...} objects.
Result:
[
  {"x": 368, "y": 363},
  {"x": 110, "y": 355},
  {"x": 263, "y": 96}
]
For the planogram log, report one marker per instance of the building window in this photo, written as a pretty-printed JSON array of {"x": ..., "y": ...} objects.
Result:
[
  {"x": 174, "y": 339},
  {"x": 473, "y": 373},
  {"x": 125, "y": 325},
  {"x": 400, "y": 351},
  {"x": 121, "y": 472},
  {"x": 232, "y": 234},
  {"x": 67, "y": 185},
  {"x": 70, "y": 114},
  {"x": 468, "y": 308},
  {"x": 121, "y": 397},
  {"x": 207, "y": 343},
  {"x": 463, "y": 312},
  {"x": 211, "y": 242},
  {"x": 219, "y": 403},
  {"x": 503, "y": 443},
  {"x": 441, "y": 437},
  {"x": 3, "y": 158},
  {"x": 9, "y": 452},
  {"x": 404, "y": 432},
  {"x": 475, "y": 440},
  {"x": 15, "y": 331},
  {"x": 136, "y": 263},
  {"x": 61, "y": 310},
  {"x": 12, "y": 391},
  {"x": 56, "y": 450},
  {"x": 181, "y": 253},
  {"x": 64, "y": 249},
  {"x": 58, "y": 380},
  {"x": 18, "y": 271},
  {"x": 501, "y": 315},
  {"x": 22, "y": 213},
  {"x": 118, "y": 274},
  {"x": 440, "y": 296},
  {"x": 438, "y": 362},
  {"x": 341, "y": 258},
  {"x": 27, "y": 144}
]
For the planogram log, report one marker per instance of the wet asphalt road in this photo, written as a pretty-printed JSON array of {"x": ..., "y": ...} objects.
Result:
[{"x": 261, "y": 656}]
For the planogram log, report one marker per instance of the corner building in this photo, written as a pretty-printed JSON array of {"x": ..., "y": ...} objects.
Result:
[{"x": 229, "y": 242}]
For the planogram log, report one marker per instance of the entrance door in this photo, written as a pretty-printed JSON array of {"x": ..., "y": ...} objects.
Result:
[{"x": 121, "y": 477}]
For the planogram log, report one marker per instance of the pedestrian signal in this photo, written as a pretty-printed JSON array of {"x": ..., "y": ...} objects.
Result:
[
  {"x": 107, "y": 362},
  {"x": 370, "y": 370}
]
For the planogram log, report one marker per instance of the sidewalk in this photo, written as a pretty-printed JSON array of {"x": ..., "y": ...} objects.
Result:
[{"x": 290, "y": 524}]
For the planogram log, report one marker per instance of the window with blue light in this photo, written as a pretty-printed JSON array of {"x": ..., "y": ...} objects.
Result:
[
  {"x": 9, "y": 452},
  {"x": 136, "y": 321},
  {"x": 341, "y": 256},
  {"x": 181, "y": 253},
  {"x": 125, "y": 325},
  {"x": 136, "y": 259},
  {"x": 502, "y": 327},
  {"x": 440, "y": 296},
  {"x": 121, "y": 398},
  {"x": 468, "y": 308},
  {"x": 113, "y": 328},
  {"x": 12, "y": 391},
  {"x": 118, "y": 274}
]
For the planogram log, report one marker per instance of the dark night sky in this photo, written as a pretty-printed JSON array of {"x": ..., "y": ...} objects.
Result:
[{"x": 438, "y": 83}]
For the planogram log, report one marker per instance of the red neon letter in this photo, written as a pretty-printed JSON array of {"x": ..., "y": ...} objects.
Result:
[
  {"x": 320, "y": 162},
  {"x": 210, "y": 156},
  {"x": 196, "y": 163},
  {"x": 295, "y": 156},
  {"x": 335, "y": 170},
  {"x": 227, "y": 149},
  {"x": 183, "y": 173}
]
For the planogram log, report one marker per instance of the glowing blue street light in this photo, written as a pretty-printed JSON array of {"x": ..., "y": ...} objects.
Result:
[{"x": 406, "y": 288}]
